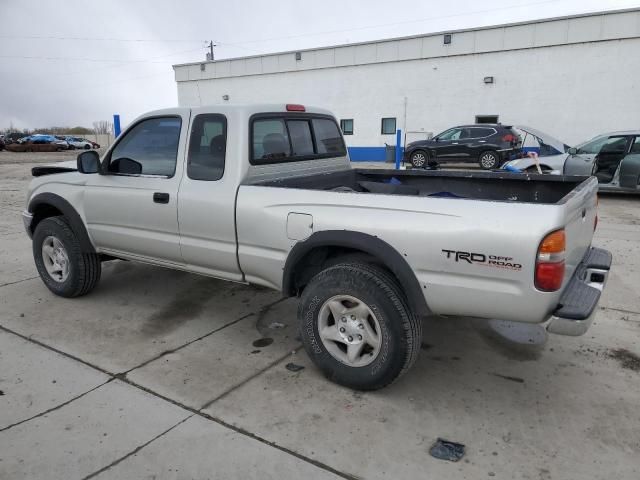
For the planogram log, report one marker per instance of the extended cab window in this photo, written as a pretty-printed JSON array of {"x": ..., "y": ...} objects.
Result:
[
  {"x": 328, "y": 138},
  {"x": 207, "y": 147},
  {"x": 276, "y": 138},
  {"x": 149, "y": 148}
]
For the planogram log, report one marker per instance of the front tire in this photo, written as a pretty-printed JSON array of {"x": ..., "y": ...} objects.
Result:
[
  {"x": 63, "y": 267},
  {"x": 489, "y": 160},
  {"x": 419, "y": 159},
  {"x": 356, "y": 326}
]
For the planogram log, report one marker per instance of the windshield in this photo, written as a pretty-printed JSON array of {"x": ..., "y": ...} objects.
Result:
[{"x": 592, "y": 146}]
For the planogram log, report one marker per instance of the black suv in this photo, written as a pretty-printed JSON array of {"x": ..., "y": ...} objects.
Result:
[{"x": 488, "y": 144}]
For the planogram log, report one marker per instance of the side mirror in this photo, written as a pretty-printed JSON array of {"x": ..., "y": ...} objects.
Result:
[
  {"x": 435, "y": 139},
  {"x": 572, "y": 151},
  {"x": 89, "y": 162}
]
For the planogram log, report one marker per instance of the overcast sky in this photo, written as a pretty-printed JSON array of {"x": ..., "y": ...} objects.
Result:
[{"x": 73, "y": 62}]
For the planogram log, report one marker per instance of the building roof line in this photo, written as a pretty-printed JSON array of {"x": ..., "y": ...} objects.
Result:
[{"x": 422, "y": 35}]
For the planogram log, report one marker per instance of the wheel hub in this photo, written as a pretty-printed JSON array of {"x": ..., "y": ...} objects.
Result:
[
  {"x": 55, "y": 259},
  {"x": 349, "y": 330}
]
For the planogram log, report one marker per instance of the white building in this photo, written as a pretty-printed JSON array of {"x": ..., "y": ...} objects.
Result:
[{"x": 573, "y": 77}]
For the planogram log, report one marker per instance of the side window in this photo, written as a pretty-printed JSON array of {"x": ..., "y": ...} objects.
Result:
[
  {"x": 635, "y": 148},
  {"x": 270, "y": 139},
  {"x": 346, "y": 125},
  {"x": 149, "y": 148},
  {"x": 451, "y": 134},
  {"x": 614, "y": 145},
  {"x": 300, "y": 134},
  {"x": 388, "y": 126},
  {"x": 207, "y": 147},
  {"x": 328, "y": 138},
  {"x": 483, "y": 132}
]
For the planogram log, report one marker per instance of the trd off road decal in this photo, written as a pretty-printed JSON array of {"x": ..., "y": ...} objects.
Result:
[{"x": 481, "y": 259}]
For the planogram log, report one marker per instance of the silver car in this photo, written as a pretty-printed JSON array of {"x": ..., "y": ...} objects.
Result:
[{"x": 614, "y": 158}]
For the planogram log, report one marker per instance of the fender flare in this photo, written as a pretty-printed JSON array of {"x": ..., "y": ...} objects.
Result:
[
  {"x": 76, "y": 223},
  {"x": 374, "y": 246}
]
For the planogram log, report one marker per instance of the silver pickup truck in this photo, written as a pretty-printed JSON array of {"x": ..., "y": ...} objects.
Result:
[{"x": 266, "y": 195}]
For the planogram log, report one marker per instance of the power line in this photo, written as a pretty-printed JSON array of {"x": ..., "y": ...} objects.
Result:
[
  {"x": 285, "y": 37},
  {"x": 78, "y": 59},
  {"x": 405, "y": 22},
  {"x": 101, "y": 39}
]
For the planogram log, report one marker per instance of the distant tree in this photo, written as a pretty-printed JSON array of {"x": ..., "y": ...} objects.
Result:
[
  {"x": 79, "y": 130},
  {"x": 102, "y": 127}
]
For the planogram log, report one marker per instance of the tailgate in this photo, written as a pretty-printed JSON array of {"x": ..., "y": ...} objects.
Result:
[{"x": 580, "y": 217}]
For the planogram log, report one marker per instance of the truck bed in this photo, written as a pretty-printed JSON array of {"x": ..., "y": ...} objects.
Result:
[{"x": 494, "y": 186}]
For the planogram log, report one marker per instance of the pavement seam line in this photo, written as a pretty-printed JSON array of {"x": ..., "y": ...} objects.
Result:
[
  {"x": 248, "y": 379},
  {"x": 136, "y": 450},
  {"x": 19, "y": 281},
  {"x": 241, "y": 431},
  {"x": 54, "y": 349},
  {"x": 622, "y": 310},
  {"x": 123, "y": 378},
  {"x": 202, "y": 337},
  {"x": 52, "y": 409}
]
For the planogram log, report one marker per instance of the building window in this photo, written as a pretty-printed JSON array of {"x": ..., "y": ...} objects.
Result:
[
  {"x": 486, "y": 118},
  {"x": 388, "y": 126},
  {"x": 447, "y": 38},
  {"x": 346, "y": 125}
]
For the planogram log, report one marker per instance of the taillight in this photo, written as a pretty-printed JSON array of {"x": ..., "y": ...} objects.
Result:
[
  {"x": 509, "y": 138},
  {"x": 550, "y": 262}
]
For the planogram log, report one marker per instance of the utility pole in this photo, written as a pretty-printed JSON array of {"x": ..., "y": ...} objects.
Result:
[{"x": 210, "y": 54}]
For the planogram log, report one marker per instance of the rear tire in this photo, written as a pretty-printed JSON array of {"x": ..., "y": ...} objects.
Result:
[
  {"x": 371, "y": 317},
  {"x": 63, "y": 267},
  {"x": 419, "y": 159},
  {"x": 489, "y": 160}
]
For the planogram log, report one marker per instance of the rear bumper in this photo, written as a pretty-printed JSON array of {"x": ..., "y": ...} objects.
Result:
[{"x": 578, "y": 303}]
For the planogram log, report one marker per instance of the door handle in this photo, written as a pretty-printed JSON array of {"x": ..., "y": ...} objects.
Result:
[{"x": 161, "y": 197}]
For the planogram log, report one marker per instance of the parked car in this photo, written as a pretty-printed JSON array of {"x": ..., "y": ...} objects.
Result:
[
  {"x": 13, "y": 137},
  {"x": 60, "y": 138},
  {"x": 37, "y": 143},
  {"x": 272, "y": 199},
  {"x": 77, "y": 142},
  {"x": 616, "y": 164},
  {"x": 1, "y": 142},
  {"x": 612, "y": 158},
  {"x": 488, "y": 144}
]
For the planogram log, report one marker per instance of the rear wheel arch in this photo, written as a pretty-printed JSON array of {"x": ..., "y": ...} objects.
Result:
[
  {"x": 324, "y": 249},
  {"x": 45, "y": 205}
]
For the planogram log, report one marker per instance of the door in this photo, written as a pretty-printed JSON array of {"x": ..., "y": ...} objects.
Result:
[
  {"x": 131, "y": 209},
  {"x": 582, "y": 161},
  {"x": 447, "y": 144},
  {"x": 630, "y": 167},
  {"x": 206, "y": 200},
  {"x": 609, "y": 157},
  {"x": 476, "y": 140}
]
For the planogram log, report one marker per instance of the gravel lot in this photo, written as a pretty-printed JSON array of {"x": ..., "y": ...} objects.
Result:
[{"x": 163, "y": 374}]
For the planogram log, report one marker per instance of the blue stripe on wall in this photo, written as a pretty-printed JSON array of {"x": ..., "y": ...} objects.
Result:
[{"x": 368, "y": 154}]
